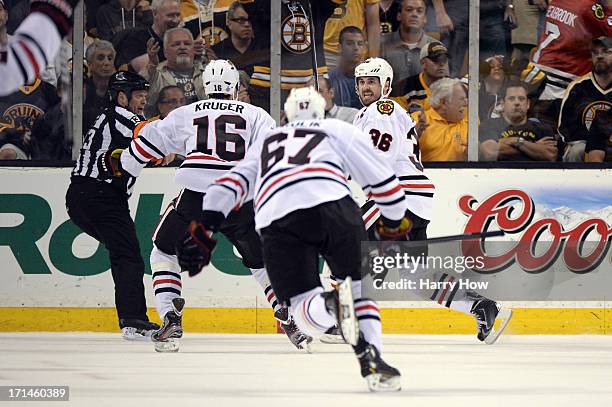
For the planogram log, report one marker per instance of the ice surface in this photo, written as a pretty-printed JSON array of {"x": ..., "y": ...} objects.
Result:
[{"x": 265, "y": 370}]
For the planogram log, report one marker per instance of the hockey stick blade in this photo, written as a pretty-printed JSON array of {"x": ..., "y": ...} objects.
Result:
[{"x": 466, "y": 236}]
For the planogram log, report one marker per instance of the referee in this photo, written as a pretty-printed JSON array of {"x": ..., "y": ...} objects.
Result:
[{"x": 98, "y": 203}]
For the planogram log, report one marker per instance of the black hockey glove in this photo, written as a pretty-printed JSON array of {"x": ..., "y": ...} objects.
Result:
[
  {"x": 59, "y": 11},
  {"x": 109, "y": 164},
  {"x": 387, "y": 229},
  {"x": 194, "y": 250}
]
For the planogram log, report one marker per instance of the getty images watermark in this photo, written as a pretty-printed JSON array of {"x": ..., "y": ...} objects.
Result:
[{"x": 413, "y": 272}]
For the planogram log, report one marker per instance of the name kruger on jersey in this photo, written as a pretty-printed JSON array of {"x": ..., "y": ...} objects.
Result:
[
  {"x": 393, "y": 134},
  {"x": 212, "y": 134}
]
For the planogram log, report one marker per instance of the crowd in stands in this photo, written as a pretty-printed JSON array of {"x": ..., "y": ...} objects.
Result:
[{"x": 544, "y": 87}]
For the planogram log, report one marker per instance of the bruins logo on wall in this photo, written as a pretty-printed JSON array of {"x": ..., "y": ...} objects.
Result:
[
  {"x": 296, "y": 33},
  {"x": 385, "y": 107},
  {"x": 591, "y": 110}
]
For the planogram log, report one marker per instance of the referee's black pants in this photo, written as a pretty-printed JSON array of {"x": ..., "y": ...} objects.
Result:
[{"x": 102, "y": 212}]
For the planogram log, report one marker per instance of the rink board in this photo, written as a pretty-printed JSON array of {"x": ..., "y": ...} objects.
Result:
[{"x": 56, "y": 279}]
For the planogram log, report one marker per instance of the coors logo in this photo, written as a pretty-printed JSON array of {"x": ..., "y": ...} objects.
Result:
[{"x": 582, "y": 247}]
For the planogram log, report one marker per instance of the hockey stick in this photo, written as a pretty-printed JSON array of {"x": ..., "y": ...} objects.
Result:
[
  {"x": 313, "y": 56},
  {"x": 466, "y": 236}
]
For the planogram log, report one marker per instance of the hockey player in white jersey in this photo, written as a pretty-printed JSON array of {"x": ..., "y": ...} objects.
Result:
[
  {"x": 393, "y": 135},
  {"x": 35, "y": 43},
  {"x": 298, "y": 177},
  {"x": 214, "y": 135}
]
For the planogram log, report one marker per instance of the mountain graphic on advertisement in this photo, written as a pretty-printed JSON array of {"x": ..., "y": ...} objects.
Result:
[{"x": 570, "y": 217}]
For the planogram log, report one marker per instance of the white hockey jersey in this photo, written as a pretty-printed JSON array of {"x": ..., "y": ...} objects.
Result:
[
  {"x": 302, "y": 165},
  {"x": 28, "y": 52},
  {"x": 213, "y": 135},
  {"x": 391, "y": 130}
]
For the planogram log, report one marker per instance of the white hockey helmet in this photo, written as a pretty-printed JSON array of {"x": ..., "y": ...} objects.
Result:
[
  {"x": 378, "y": 68},
  {"x": 221, "y": 76},
  {"x": 304, "y": 104}
]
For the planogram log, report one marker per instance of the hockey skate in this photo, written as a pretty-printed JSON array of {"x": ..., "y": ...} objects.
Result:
[
  {"x": 487, "y": 312},
  {"x": 166, "y": 338},
  {"x": 339, "y": 302},
  {"x": 297, "y": 338},
  {"x": 379, "y": 375},
  {"x": 332, "y": 336},
  {"x": 137, "y": 329}
]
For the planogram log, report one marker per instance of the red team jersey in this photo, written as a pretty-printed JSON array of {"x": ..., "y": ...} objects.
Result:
[{"x": 565, "y": 43}]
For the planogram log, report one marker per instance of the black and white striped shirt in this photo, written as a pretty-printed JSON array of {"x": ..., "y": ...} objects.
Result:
[{"x": 112, "y": 129}]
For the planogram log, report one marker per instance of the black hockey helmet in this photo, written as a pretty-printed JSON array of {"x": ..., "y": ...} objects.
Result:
[{"x": 126, "y": 82}]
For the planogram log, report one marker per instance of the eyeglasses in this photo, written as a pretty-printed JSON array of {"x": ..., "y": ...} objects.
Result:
[{"x": 240, "y": 20}]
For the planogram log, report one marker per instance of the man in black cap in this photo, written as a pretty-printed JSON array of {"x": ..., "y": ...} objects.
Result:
[
  {"x": 585, "y": 98},
  {"x": 414, "y": 90}
]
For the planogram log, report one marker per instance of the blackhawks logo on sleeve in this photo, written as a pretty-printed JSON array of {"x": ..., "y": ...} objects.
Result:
[{"x": 385, "y": 107}]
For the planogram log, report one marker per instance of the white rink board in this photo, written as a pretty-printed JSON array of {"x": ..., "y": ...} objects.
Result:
[{"x": 570, "y": 196}]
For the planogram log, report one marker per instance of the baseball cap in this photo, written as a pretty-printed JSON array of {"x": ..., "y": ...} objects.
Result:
[
  {"x": 433, "y": 50},
  {"x": 604, "y": 41}
]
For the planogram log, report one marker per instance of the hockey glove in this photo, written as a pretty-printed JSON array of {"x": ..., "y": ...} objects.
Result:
[
  {"x": 194, "y": 251},
  {"x": 109, "y": 164},
  {"x": 59, "y": 11},
  {"x": 387, "y": 229}
]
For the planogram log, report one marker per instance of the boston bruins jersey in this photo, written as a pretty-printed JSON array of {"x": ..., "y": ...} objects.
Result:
[
  {"x": 583, "y": 99},
  {"x": 213, "y": 135},
  {"x": 22, "y": 108},
  {"x": 391, "y": 130},
  {"x": 305, "y": 164},
  {"x": 297, "y": 47}
]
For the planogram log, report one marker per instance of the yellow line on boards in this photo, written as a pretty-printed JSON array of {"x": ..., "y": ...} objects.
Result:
[{"x": 260, "y": 320}]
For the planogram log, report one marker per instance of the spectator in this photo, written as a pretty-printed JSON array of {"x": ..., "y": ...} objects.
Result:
[
  {"x": 496, "y": 17},
  {"x": 180, "y": 69},
  {"x": 599, "y": 139},
  {"x": 48, "y": 136},
  {"x": 530, "y": 13},
  {"x": 170, "y": 97},
  {"x": 363, "y": 14},
  {"x": 584, "y": 98},
  {"x": 239, "y": 46},
  {"x": 445, "y": 137},
  {"x": 564, "y": 51},
  {"x": 333, "y": 111},
  {"x": 387, "y": 14},
  {"x": 490, "y": 99},
  {"x": 416, "y": 89},
  {"x": 342, "y": 78},
  {"x": 297, "y": 51},
  {"x": 100, "y": 57},
  {"x": 118, "y": 15},
  {"x": 133, "y": 46},
  {"x": 19, "y": 111},
  {"x": 402, "y": 48},
  {"x": 514, "y": 136}
]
